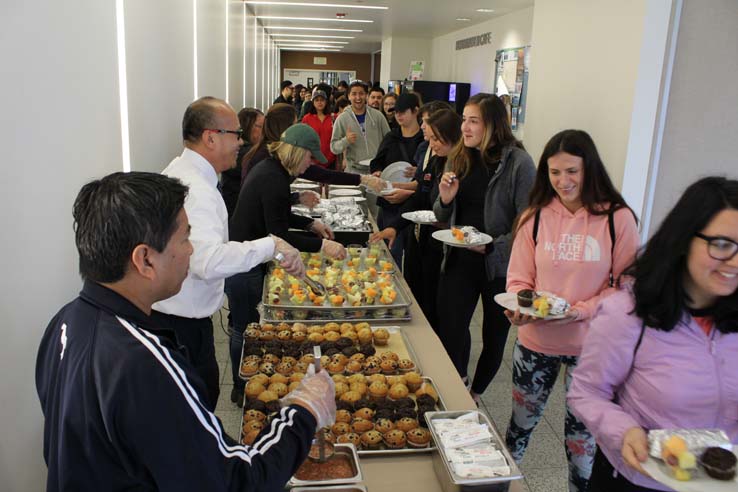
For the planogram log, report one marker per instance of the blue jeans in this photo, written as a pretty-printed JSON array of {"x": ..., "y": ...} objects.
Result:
[{"x": 244, "y": 291}]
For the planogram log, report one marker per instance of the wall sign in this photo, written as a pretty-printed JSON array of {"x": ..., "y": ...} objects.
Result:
[
  {"x": 320, "y": 60},
  {"x": 474, "y": 41}
]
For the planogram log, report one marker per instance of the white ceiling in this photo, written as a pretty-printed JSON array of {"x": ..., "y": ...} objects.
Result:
[{"x": 404, "y": 18}]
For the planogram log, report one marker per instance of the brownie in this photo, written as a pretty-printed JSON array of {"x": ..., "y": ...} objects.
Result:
[
  {"x": 367, "y": 349},
  {"x": 255, "y": 405},
  {"x": 404, "y": 403},
  {"x": 343, "y": 343},
  {"x": 384, "y": 413},
  {"x": 344, "y": 405},
  {"x": 349, "y": 351},
  {"x": 719, "y": 463},
  {"x": 426, "y": 400},
  {"x": 406, "y": 412}
]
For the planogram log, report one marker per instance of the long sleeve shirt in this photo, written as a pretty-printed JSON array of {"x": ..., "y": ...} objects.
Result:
[
  {"x": 678, "y": 379},
  {"x": 214, "y": 257},
  {"x": 122, "y": 411}
]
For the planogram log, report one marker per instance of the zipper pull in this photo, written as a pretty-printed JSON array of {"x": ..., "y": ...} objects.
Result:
[{"x": 712, "y": 347}]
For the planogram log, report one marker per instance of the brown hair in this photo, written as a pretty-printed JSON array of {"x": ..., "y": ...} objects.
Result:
[
  {"x": 278, "y": 118},
  {"x": 497, "y": 135},
  {"x": 446, "y": 125}
]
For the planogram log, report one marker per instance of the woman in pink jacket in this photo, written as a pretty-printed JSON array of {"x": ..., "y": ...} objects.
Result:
[
  {"x": 663, "y": 351},
  {"x": 577, "y": 235}
]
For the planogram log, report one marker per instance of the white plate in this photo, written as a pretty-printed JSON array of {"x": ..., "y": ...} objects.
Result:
[
  {"x": 508, "y": 300},
  {"x": 347, "y": 187},
  {"x": 365, "y": 162},
  {"x": 345, "y": 192},
  {"x": 395, "y": 172},
  {"x": 357, "y": 199},
  {"x": 304, "y": 186},
  {"x": 417, "y": 217},
  {"x": 699, "y": 483},
  {"x": 445, "y": 236}
]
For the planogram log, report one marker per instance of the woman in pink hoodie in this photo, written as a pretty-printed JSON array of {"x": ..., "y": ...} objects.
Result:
[
  {"x": 663, "y": 351},
  {"x": 577, "y": 235}
]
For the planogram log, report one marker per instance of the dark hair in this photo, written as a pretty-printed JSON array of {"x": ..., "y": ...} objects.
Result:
[
  {"x": 497, "y": 135},
  {"x": 376, "y": 88},
  {"x": 343, "y": 83},
  {"x": 357, "y": 83},
  {"x": 284, "y": 84},
  {"x": 247, "y": 118},
  {"x": 313, "y": 110},
  {"x": 341, "y": 103},
  {"x": 446, "y": 125},
  {"x": 115, "y": 214},
  {"x": 659, "y": 270},
  {"x": 327, "y": 88},
  {"x": 198, "y": 116},
  {"x": 431, "y": 107},
  {"x": 278, "y": 118},
  {"x": 597, "y": 188}
]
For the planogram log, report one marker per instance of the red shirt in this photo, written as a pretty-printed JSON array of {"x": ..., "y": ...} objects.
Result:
[{"x": 324, "y": 130}]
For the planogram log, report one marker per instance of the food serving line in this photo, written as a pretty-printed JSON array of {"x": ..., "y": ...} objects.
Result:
[{"x": 427, "y": 470}]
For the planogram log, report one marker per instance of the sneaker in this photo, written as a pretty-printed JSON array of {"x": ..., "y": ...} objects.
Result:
[{"x": 237, "y": 396}]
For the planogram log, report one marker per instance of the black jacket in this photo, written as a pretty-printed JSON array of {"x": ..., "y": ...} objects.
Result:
[
  {"x": 122, "y": 410},
  {"x": 264, "y": 207},
  {"x": 392, "y": 149}
]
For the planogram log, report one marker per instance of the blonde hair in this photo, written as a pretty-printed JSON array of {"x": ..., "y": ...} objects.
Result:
[{"x": 291, "y": 156}]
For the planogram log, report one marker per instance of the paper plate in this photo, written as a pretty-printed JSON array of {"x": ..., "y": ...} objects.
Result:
[
  {"x": 508, "y": 300},
  {"x": 445, "y": 236},
  {"x": 700, "y": 481},
  {"x": 420, "y": 217},
  {"x": 347, "y": 187},
  {"x": 364, "y": 163},
  {"x": 345, "y": 192},
  {"x": 304, "y": 186},
  {"x": 395, "y": 172}
]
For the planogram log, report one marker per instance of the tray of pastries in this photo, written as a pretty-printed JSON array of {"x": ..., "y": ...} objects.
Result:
[{"x": 361, "y": 287}]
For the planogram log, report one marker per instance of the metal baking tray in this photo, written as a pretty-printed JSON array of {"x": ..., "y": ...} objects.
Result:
[
  {"x": 272, "y": 315},
  {"x": 394, "y": 331},
  {"x": 452, "y": 482},
  {"x": 347, "y": 450},
  {"x": 441, "y": 405},
  {"x": 332, "y": 488}
]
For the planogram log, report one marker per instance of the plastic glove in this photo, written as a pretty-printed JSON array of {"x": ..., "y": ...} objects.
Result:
[
  {"x": 321, "y": 230},
  {"x": 289, "y": 257},
  {"x": 333, "y": 249},
  {"x": 388, "y": 233},
  {"x": 398, "y": 196},
  {"x": 317, "y": 394},
  {"x": 309, "y": 198},
  {"x": 410, "y": 171},
  {"x": 374, "y": 183}
]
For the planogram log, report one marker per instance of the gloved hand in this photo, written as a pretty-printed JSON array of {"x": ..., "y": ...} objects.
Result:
[
  {"x": 317, "y": 394},
  {"x": 388, "y": 233},
  {"x": 309, "y": 198},
  {"x": 290, "y": 257},
  {"x": 373, "y": 182},
  {"x": 321, "y": 230},
  {"x": 333, "y": 249}
]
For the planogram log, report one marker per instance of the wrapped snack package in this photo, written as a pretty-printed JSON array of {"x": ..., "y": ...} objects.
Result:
[{"x": 697, "y": 439}]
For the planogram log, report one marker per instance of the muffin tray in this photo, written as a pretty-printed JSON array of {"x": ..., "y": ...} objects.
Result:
[
  {"x": 440, "y": 406},
  {"x": 332, "y": 488},
  {"x": 398, "y": 342}
]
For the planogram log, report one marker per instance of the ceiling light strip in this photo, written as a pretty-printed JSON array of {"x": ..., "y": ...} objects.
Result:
[
  {"x": 316, "y": 19},
  {"x": 303, "y": 4},
  {"x": 327, "y": 36},
  {"x": 337, "y": 29},
  {"x": 320, "y": 41}
]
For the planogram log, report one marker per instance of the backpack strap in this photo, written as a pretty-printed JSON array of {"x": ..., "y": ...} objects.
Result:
[
  {"x": 536, "y": 222},
  {"x": 611, "y": 226}
]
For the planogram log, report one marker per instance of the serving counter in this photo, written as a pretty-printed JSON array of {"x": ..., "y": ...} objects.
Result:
[{"x": 415, "y": 472}]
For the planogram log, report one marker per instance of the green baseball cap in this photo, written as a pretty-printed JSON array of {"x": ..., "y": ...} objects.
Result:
[{"x": 302, "y": 135}]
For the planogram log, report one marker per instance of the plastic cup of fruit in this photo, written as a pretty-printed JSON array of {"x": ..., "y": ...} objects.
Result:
[
  {"x": 380, "y": 313},
  {"x": 354, "y": 249},
  {"x": 300, "y": 314},
  {"x": 357, "y": 314},
  {"x": 399, "y": 312},
  {"x": 338, "y": 313}
]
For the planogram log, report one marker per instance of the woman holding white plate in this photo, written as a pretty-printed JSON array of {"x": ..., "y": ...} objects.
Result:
[{"x": 577, "y": 236}]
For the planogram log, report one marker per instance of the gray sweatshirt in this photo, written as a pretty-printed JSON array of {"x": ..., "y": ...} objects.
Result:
[
  {"x": 366, "y": 144},
  {"x": 506, "y": 197}
]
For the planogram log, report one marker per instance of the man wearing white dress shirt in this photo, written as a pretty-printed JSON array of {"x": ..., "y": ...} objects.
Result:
[{"x": 212, "y": 137}]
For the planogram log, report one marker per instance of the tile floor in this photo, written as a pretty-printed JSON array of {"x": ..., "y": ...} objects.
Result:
[{"x": 544, "y": 465}]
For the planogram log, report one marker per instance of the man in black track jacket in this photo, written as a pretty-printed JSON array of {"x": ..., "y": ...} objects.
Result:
[{"x": 120, "y": 401}]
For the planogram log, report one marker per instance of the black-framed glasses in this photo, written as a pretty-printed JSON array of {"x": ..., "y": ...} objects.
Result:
[
  {"x": 238, "y": 133},
  {"x": 719, "y": 247}
]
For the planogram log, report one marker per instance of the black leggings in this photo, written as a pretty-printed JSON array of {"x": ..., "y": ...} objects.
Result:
[
  {"x": 460, "y": 286},
  {"x": 602, "y": 479}
]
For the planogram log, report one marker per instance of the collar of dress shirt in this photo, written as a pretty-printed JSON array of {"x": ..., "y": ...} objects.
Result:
[{"x": 203, "y": 167}]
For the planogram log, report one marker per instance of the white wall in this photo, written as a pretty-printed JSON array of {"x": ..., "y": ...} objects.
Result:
[
  {"x": 477, "y": 65},
  {"x": 583, "y": 72},
  {"x": 160, "y": 74},
  {"x": 701, "y": 120},
  {"x": 401, "y": 51},
  {"x": 386, "y": 62},
  {"x": 60, "y": 128}
]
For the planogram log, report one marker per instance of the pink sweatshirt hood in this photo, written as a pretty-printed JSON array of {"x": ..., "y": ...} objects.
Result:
[{"x": 572, "y": 259}]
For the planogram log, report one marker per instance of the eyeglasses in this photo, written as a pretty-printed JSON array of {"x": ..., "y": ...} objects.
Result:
[
  {"x": 238, "y": 133},
  {"x": 718, "y": 247}
]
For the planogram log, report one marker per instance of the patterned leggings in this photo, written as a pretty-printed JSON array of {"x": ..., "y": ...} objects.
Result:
[{"x": 534, "y": 375}]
